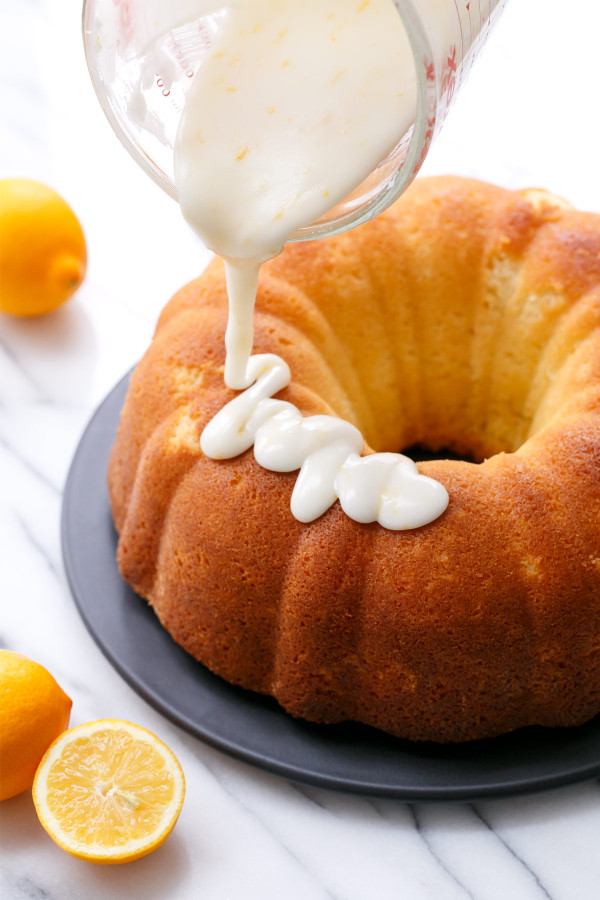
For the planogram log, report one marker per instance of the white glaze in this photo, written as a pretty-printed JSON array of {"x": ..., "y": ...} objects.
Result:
[
  {"x": 381, "y": 487},
  {"x": 269, "y": 142},
  {"x": 292, "y": 107},
  {"x": 242, "y": 281}
]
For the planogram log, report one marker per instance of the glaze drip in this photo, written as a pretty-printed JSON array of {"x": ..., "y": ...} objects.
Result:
[
  {"x": 293, "y": 106},
  {"x": 380, "y": 487}
]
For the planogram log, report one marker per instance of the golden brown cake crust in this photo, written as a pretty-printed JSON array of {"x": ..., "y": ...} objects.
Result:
[{"x": 466, "y": 317}]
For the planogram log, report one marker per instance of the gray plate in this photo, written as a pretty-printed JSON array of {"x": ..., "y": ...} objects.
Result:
[{"x": 255, "y": 729}]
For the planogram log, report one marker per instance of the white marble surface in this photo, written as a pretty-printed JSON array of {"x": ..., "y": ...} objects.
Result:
[{"x": 529, "y": 115}]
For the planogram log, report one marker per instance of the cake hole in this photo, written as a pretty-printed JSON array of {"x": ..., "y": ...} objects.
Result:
[{"x": 420, "y": 453}]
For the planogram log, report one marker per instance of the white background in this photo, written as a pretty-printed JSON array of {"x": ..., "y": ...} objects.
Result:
[{"x": 527, "y": 116}]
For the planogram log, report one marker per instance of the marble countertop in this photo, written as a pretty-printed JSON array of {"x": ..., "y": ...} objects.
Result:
[{"x": 527, "y": 116}]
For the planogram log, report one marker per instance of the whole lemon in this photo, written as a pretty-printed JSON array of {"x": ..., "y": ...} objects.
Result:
[
  {"x": 34, "y": 710},
  {"x": 42, "y": 248}
]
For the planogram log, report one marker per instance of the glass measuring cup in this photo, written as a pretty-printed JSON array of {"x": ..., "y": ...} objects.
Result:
[{"x": 142, "y": 56}]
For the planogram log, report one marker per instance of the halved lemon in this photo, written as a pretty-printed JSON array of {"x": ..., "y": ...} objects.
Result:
[{"x": 108, "y": 791}]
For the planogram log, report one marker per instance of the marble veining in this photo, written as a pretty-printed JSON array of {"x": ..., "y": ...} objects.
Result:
[
  {"x": 244, "y": 834},
  {"x": 542, "y": 890},
  {"x": 414, "y": 811}
]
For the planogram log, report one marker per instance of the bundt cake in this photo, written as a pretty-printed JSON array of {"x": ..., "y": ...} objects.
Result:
[{"x": 465, "y": 319}]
